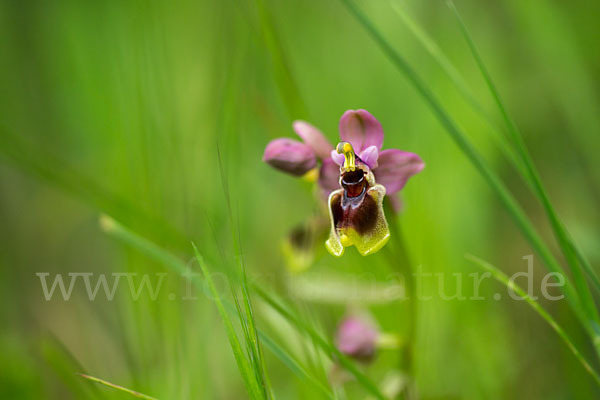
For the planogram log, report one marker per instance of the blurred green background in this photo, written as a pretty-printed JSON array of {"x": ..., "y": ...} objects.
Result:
[{"x": 123, "y": 108}]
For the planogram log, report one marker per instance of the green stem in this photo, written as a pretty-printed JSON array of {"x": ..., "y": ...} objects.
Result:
[
  {"x": 508, "y": 282},
  {"x": 505, "y": 196},
  {"x": 400, "y": 260},
  {"x": 571, "y": 253},
  {"x": 118, "y": 387}
]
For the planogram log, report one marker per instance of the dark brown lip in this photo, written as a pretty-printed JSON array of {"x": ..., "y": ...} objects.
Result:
[
  {"x": 354, "y": 183},
  {"x": 353, "y": 177}
]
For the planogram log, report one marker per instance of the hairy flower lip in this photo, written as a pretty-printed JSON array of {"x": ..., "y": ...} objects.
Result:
[{"x": 357, "y": 221}]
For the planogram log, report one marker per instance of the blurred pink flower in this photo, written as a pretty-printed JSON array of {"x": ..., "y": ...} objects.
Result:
[
  {"x": 356, "y": 337},
  {"x": 295, "y": 157}
]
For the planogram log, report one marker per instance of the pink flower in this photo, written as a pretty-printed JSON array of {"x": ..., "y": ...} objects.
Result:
[
  {"x": 295, "y": 157},
  {"x": 355, "y": 177},
  {"x": 356, "y": 337},
  {"x": 392, "y": 168}
]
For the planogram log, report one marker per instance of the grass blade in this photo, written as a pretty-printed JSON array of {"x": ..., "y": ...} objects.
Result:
[
  {"x": 284, "y": 78},
  {"x": 295, "y": 366},
  {"x": 159, "y": 254},
  {"x": 25, "y": 156},
  {"x": 243, "y": 364},
  {"x": 474, "y": 157},
  {"x": 112, "y": 227},
  {"x": 456, "y": 78},
  {"x": 503, "y": 278},
  {"x": 118, "y": 387},
  {"x": 327, "y": 347},
  {"x": 62, "y": 362},
  {"x": 248, "y": 323},
  {"x": 572, "y": 255},
  {"x": 436, "y": 53}
]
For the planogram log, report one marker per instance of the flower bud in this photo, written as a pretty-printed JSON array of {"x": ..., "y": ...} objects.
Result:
[
  {"x": 290, "y": 156},
  {"x": 356, "y": 337}
]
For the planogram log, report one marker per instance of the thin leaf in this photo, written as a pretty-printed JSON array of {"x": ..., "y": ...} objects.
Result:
[
  {"x": 474, "y": 157},
  {"x": 503, "y": 278},
  {"x": 326, "y": 346},
  {"x": 282, "y": 71},
  {"x": 294, "y": 365},
  {"x": 243, "y": 365},
  {"x": 121, "y": 233},
  {"x": 44, "y": 166},
  {"x": 118, "y": 387},
  {"x": 572, "y": 255},
  {"x": 247, "y": 319},
  {"x": 456, "y": 78},
  {"x": 63, "y": 363}
]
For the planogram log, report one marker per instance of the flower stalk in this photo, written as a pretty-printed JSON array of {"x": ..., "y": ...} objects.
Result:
[{"x": 399, "y": 260}]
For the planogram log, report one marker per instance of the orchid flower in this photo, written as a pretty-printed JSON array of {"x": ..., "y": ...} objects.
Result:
[
  {"x": 295, "y": 157},
  {"x": 355, "y": 177},
  {"x": 356, "y": 337}
]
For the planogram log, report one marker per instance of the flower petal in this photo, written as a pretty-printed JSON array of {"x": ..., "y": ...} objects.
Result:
[
  {"x": 356, "y": 337},
  {"x": 395, "y": 167},
  {"x": 337, "y": 157},
  {"x": 361, "y": 129},
  {"x": 395, "y": 202},
  {"x": 369, "y": 156},
  {"x": 314, "y": 138},
  {"x": 290, "y": 156},
  {"x": 334, "y": 243},
  {"x": 329, "y": 177},
  {"x": 359, "y": 221}
]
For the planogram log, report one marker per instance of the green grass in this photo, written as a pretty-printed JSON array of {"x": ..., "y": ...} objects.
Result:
[
  {"x": 156, "y": 114},
  {"x": 572, "y": 254},
  {"x": 117, "y": 387},
  {"x": 510, "y": 284},
  {"x": 578, "y": 295},
  {"x": 226, "y": 309}
]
